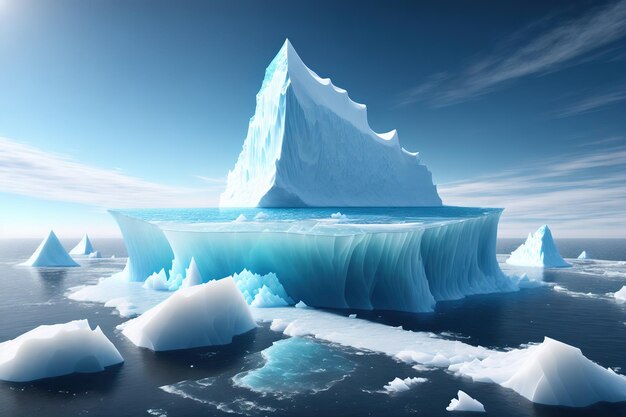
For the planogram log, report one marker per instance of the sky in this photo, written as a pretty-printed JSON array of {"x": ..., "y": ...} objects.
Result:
[{"x": 516, "y": 104}]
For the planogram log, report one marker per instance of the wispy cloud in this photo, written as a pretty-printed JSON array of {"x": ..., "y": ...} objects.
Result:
[
  {"x": 546, "y": 52},
  {"x": 593, "y": 103},
  {"x": 27, "y": 170},
  {"x": 578, "y": 195}
]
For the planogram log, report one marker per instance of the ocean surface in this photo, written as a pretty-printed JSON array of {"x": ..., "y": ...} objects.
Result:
[{"x": 256, "y": 376}]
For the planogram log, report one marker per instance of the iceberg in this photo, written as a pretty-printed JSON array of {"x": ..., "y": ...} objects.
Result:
[
  {"x": 50, "y": 253},
  {"x": 620, "y": 295},
  {"x": 539, "y": 250},
  {"x": 552, "y": 373},
  {"x": 95, "y": 255},
  {"x": 84, "y": 247},
  {"x": 583, "y": 255},
  {"x": 310, "y": 145},
  {"x": 465, "y": 403},
  {"x": 56, "y": 350},
  {"x": 398, "y": 385},
  {"x": 262, "y": 291},
  {"x": 403, "y": 259},
  {"x": 202, "y": 315}
]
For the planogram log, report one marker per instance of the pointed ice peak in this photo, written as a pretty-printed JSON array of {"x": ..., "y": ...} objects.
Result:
[
  {"x": 538, "y": 250},
  {"x": 193, "y": 276},
  {"x": 84, "y": 247},
  {"x": 50, "y": 253}
]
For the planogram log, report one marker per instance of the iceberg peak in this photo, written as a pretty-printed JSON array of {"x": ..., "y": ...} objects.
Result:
[
  {"x": 310, "y": 145},
  {"x": 539, "y": 250},
  {"x": 50, "y": 253},
  {"x": 84, "y": 247}
]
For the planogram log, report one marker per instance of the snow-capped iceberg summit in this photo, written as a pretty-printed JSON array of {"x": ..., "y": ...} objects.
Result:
[
  {"x": 309, "y": 144},
  {"x": 539, "y": 250},
  {"x": 50, "y": 253},
  {"x": 84, "y": 247}
]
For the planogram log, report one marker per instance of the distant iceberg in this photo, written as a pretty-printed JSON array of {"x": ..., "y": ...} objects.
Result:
[
  {"x": 95, "y": 255},
  {"x": 201, "y": 315},
  {"x": 552, "y": 373},
  {"x": 310, "y": 145},
  {"x": 398, "y": 385},
  {"x": 465, "y": 403},
  {"x": 539, "y": 250},
  {"x": 583, "y": 255},
  {"x": 55, "y": 350},
  {"x": 84, "y": 247},
  {"x": 50, "y": 253}
]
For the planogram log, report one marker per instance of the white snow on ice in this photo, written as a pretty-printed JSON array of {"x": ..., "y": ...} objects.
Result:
[{"x": 56, "y": 350}]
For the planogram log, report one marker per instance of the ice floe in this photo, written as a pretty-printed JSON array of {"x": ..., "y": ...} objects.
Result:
[{"x": 465, "y": 403}]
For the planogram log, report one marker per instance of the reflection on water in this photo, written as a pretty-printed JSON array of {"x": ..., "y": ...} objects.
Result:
[{"x": 50, "y": 280}]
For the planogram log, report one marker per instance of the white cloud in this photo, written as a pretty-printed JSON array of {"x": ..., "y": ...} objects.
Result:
[
  {"x": 578, "y": 195},
  {"x": 549, "y": 51},
  {"x": 30, "y": 171}
]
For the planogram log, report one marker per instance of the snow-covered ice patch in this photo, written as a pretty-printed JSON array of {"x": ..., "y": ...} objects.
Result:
[
  {"x": 56, "y": 350},
  {"x": 203, "y": 315},
  {"x": 465, "y": 403}
]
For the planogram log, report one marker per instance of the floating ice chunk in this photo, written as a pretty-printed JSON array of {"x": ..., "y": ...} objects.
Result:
[
  {"x": 301, "y": 304},
  {"x": 157, "y": 281},
  {"x": 620, "y": 295},
  {"x": 192, "y": 276},
  {"x": 95, "y": 255},
  {"x": 241, "y": 218},
  {"x": 465, "y": 403},
  {"x": 296, "y": 366},
  {"x": 583, "y": 255},
  {"x": 338, "y": 216},
  {"x": 55, "y": 350},
  {"x": 552, "y": 373},
  {"x": 203, "y": 315},
  {"x": 261, "y": 216},
  {"x": 352, "y": 316},
  {"x": 50, "y": 253},
  {"x": 539, "y": 250},
  {"x": 262, "y": 290},
  {"x": 84, "y": 247},
  {"x": 401, "y": 385}
]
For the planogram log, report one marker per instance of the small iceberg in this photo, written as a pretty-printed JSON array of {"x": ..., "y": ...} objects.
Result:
[
  {"x": 465, "y": 403},
  {"x": 56, "y": 350},
  {"x": 50, "y": 253},
  {"x": 84, "y": 247},
  {"x": 262, "y": 290},
  {"x": 552, "y": 373},
  {"x": 401, "y": 385},
  {"x": 539, "y": 250},
  {"x": 202, "y": 315},
  {"x": 620, "y": 295},
  {"x": 583, "y": 255},
  {"x": 95, "y": 255}
]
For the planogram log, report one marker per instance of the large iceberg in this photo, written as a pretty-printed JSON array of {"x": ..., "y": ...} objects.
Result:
[
  {"x": 55, "y": 350},
  {"x": 50, "y": 253},
  {"x": 84, "y": 247},
  {"x": 403, "y": 259},
  {"x": 539, "y": 250},
  {"x": 309, "y": 144},
  {"x": 201, "y": 315},
  {"x": 552, "y": 373}
]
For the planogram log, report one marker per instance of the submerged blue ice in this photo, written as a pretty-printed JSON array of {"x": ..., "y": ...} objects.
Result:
[
  {"x": 402, "y": 259},
  {"x": 296, "y": 366}
]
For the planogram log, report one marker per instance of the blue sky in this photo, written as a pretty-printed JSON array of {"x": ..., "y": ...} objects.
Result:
[{"x": 517, "y": 104}]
